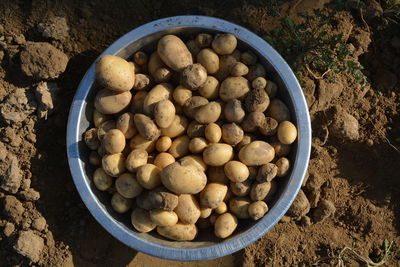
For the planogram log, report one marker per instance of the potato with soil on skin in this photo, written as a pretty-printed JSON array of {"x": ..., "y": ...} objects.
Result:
[
  {"x": 141, "y": 220},
  {"x": 192, "y": 104},
  {"x": 113, "y": 164},
  {"x": 127, "y": 186},
  {"x": 256, "y": 153},
  {"x": 120, "y": 204},
  {"x": 162, "y": 91},
  {"x": 146, "y": 127},
  {"x": 162, "y": 75},
  {"x": 137, "y": 102},
  {"x": 163, "y": 159},
  {"x": 163, "y": 143},
  {"x": 208, "y": 113},
  {"x": 193, "y": 76},
  {"x": 213, "y": 133},
  {"x": 91, "y": 139},
  {"x": 140, "y": 58},
  {"x": 257, "y": 210},
  {"x": 248, "y": 58},
  {"x": 281, "y": 150},
  {"x": 268, "y": 127},
  {"x": 163, "y": 217},
  {"x": 102, "y": 180},
  {"x": 210, "y": 88},
  {"x": 203, "y": 39},
  {"x": 196, "y": 129},
  {"x": 180, "y": 146},
  {"x": 111, "y": 102},
  {"x": 177, "y": 127},
  {"x": 267, "y": 172},
  {"x": 217, "y": 175},
  {"x": 236, "y": 171},
  {"x": 257, "y": 100},
  {"x": 232, "y": 134},
  {"x": 115, "y": 73},
  {"x": 138, "y": 142},
  {"x": 241, "y": 189},
  {"x": 114, "y": 141},
  {"x": 94, "y": 158},
  {"x": 287, "y": 132},
  {"x": 239, "y": 69},
  {"x": 224, "y": 43},
  {"x": 149, "y": 176},
  {"x": 178, "y": 232},
  {"x": 252, "y": 121},
  {"x": 126, "y": 125},
  {"x": 255, "y": 71},
  {"x": 183, "y": 179},
  {"x": 271, "y": 89},
  {"x": 197, "y": 145},
  {"x": 164, "y": 113},
  {"x": 225, "y": 66},
  {"x": 278, "y": 110},
  {"x": 181, "y": 94},
  {"x": 217, "y": 154},
  {"x": 174, "y": 53},
  {"x": 283, "y": 166},
  {"x": 209, "y": 60},
  {"x": 225, "y": 225},
  {"x": 161, "y": 198},
  {"x": 263, "y": 191},
  {"x": 233, "y": 111},
  {"x": 212, "y": 195},
  {"x": 234, "y": 88},
  {"x": 142, "y": 82},
  {"x": 239, "y": 206},
  {"x": 188, "y": 210}
]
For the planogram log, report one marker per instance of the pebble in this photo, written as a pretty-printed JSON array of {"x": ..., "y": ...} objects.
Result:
[
  {"x": 344, "y": 126},
  {"x": 29, "y": 245},
  {"x": 55, "y": 28}
]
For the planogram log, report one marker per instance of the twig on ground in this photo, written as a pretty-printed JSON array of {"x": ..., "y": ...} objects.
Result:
[
  {"x": 314, "y": 75},
  {"x": 363, "y": 20}
]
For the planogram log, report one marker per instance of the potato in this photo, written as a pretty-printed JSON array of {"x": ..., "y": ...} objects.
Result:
[
  {"x": 228, "y": 196},
  {"x": 224, "y": 43},
  {"x": 268, "y": 127},
  {"x": 113, "y": 164},
  {"x": 260, "y": 191},
  {"x": 193, "y": 47},
  {"x": 126, "y": 125},
  {"x": 161, "y": 198},
  {"x": 252, "y": 121},
  {"x": 203, "y": 223},
  {"x": 138, "y": 142},
  {"x": 94, "y": 158},
  {"x": 259, "y": 83},
  {"x": 233, "y": 111},
  {"x": 197, "y": 144},
  {"x": 247, "y": 139},
  {"x": 217, "y": 154},
  {"x": 164, "y": 113},
  {"x": 154, "y": 63},
  {"x": 222, "y": 208},
  {"x": 208, "y": 113},
  {"x": 193, "y": 104},
  {"x": 120, "y": 204},
  {"x": 111, "y": 102},
  {"x": 278, "y": 110},
  {"x": 283, "y": 166},
  {"x": 212, "y": 195},
  {"x": 178, "y": 232},
  {"x": 105, "y": 127},
  {"x": 188, "y": 210},
  {"x": 127, "y": 186},
  {"x": 114, "y": 141},
  {"x": 91, "y": 139},
  {"x": 239, "y": 69},
  {"x": 255, "y": 71},
  {"x": 158, "y": 93},
  {"x": 99, "y": 118},
  {"x": 225, "y": 225},
  {"x": 101, "y": 151},
  {"x": 239, "y": 206},
  {"x": 140, "y": 58},
  {"x": 267, "y": 172},
  {"x": 142, "y": 200},
  {"x": 257, "y": 100},
  {"x": 142, "y": 82},
  {"x": 213, "y": 217},
  {"x": 210, "y": 88},
  {"x": 149, "y": 176},
  {"x": 209, "y": 60},
  {"x": 141, "y": 220},
  {"x": 193, "y": 76},
  {"x": 102, "y": 180},
  {"x": 183, "y": 179},
  {"x": 281, "y": 150},
  {"x": 115, "y": 73},
  {"x": 256, "y": 153},
  {"x": 241, "y": 189},
  {"x": 177, "y": 127},
  {"x": 287, "y": 132},
  {"x": 271, "y": 89},
  {"x": 163, "y": 217},
  {"x": 257, "y": 210},
  {"x": 196, "y": 129},
  {"x": 163, "y": 159},
  {"x": 225, "y": 66},
  {"x": 163, "y": 143},
  {"x": 204, "y": 40},
  {"x": 217, "y": 175},
  {"x": 162, "y": 75},
  {"x": 174, "y": 53},
  {"x": 234, "y": 88},
  {"x": 146, "y": 127},
  {"x": 236, "y": 171},
  {"x": 194, "y": 160},
  {"x": 248, "y": 58},
  {"x": 137, "y": 102},
  {"x": 232, "y": 134},
  {"x": 213, "y": 133},
  {"x": 180, "y": 146},
  {"x": 205, "y": 213},
  {"x": 181, "y": 95}
]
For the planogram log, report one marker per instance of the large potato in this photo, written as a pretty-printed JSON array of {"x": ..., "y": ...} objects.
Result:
[
  {"x": 210, "y": 88},
  {"x": 181, "y": 94},
  {"x": 174, "y": 52},
  {"x": 127, "y": 186},
  {"x": 180, "y": 146},
  {"x": 278, "y": 110},
  {"x": 217, "y": 175},
  {"x": 162, "y": 91},
  {"x": 111, "y": 102},
  {"x": 225, "y": 225},
  {"x": 114, "y": 141},
  {"x": 148, "y": 176},
  {"x": 257, "y": 210},
  {"x": 183, "y": 179},
  {"x": 287, "y": 132},
  {"x": 256, "y": 153},
  {"x": 99, "y": 118},
  {"x": 138, "y": 142},
  {"x": 212, "y": 195},
  {"x": 232, "y": 134},
  {"x": 193, "y": 104},
  {"x": 141, "y": 220},
  {"x": 177, "y": 127},
  {"x": 209, "y": 59},
  {"x": 217, "y": 154},
  {"x": 236, "y": 171},
  {"x": 115, "y": 73},
  {"x": 126, "y": 125},
  {"x": 120, "y": 204},
  {"x": 234, "y": 88},
  {"x": 164, "y": 113},
  {"x": 178, "y": 232},
  {"x": 102, "y": 180},
  {"x": 213, "y": 133},
  {"x": 233, "y": 111},
  {"x": 208, "y": 113},
  {"x": 163, "y": 159},
  {"x": 146, "y": 127},
  {"x": 188, "y": 210},
  {"x": 239, "y": 206},
  {"x": 163, "y": 217},
  {"x": 224, "y": 43},
  {"x": 113, "y": 164},
  {"x": 194, "y": 160}
]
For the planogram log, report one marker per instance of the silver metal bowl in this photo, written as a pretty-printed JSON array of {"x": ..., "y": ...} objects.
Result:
[{"x": 206, "y": 246}]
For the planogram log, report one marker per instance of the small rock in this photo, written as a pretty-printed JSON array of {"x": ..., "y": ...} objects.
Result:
[
  {"x": 42, "y": 61},
  {"x": 313, "y": 196},
  {"x": 30, "y": 194},
  {"x": 39, "y": 223},
  {"x": 19, "y": 39},
  {"x": 8, "y": 229},
  {"x": 45, "y": 95},
  {"x": 344, "y": 125},
  {"x": 324, "y": 210},
  {"x": 29, "y": 245},
  {"x": 395, "y": 42},
  {"x": 300, "y": 206},
  {"x": 10, "y": 173},
  {"x": 13, "y": 208},
  {"x": 55, "y": 28},
  {"x": 17, "y": 106},
  {"x": 26, "y": 183},
  {"x": 305, "y": 221},
  {"x": 370, "y": 142}
]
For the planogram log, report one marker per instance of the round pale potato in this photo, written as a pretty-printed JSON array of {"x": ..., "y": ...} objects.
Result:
[
  {"x": 163, "y": 143},
  {"x": 163, "y": 217},
  {"x": 120, "y": 204},
  {"x": 278, "y": 110},
  {"x": 162, "y": 91},
  {"x": 91, "y": 139},
  {"x": 137, "y": 102},
  {"x": 255, "y": 71},
  {"x": 213, "y": 133},
  {"x": 180, "y": 146},
  {"x": 138, "y": 142},
  {"x": 94, "y": 158},
  {"x": 188, "y": 210},
  {"x": 114, "y": 141},
  {"x": 204, "y": 39},
  {"x": 257, "y": 100},
  {"x": 194, "y": 160},
  {"x": 141, "y": 220},
  {"x": 287, "y": 132},
  {"x": 267, "y": 172},
  {"x": 111, "y": 102},
  {"x": 180, "y": 179},
  {"x": 163, "y": 159},
  {"x": 148, "y": 176},
  {"x": 259, "y": 83},
  {"x": 193, "y": 76},
  {"x": 178, "y": 232},
  {"x": 222, "y": 208},
  {"x": 236, "y": 171},
  {"x": 209, "y": 59},
  {"x": 257, "y": 210},
  {"x": 234, "y": 88},
  {"x": 146, "y": 127},
  {"x": 177, "y": 127},
  {"x": 140, "y": 58},
  {"x": 241, "y": 189},
  {"x": 181, "y": 95},
  {"x": 174, "y": 53},
  {"x": 193, "y": 104},
  {"x": 210, "y": 89},
  {"x": 225, "y": 225},
  {"x": 233, "y": 111},
  {"x": 283, "y": 166},
  {"x": 142, "y": 82},
  {"x": 164, "y": 113},
  {"x": 232, "y": 134},
  {"x": 239, "y": 69},
  {"x": 197, "y": 145},
  {"x": 126, "y": 125},
  {"x": 113, "y": 164},
  {"x": 224, "y": 43},
  {"x": 248, "y": 58},
  {"x": 99, "y": 118},
  {"x": 217, "y": 175},
  {"x": 127, "y": 186},
  {"x": 217, "y": 154},
  {"x": 256, "y": 153},
  {"x": 102, "y": 180},
  {"x": 239, "y": 207},
  {"x": 205, "y": 212},
  {"x": 208, "y": 113},
  {"x": 212, "y": 195}
]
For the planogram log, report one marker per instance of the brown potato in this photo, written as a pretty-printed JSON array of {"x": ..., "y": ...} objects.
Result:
[
  {"x": 180, "y": 146},
  {"x": 141, "y": 220},
  {"x": 263, "y": 191},
  {"x": 192, "y": 104},
  {"x": 99, "y": 118},
  {"x": 120, "y": 204},
  {"x": 140, "y": 58},
  {"x": 278, "y": 110},
  {"x": 162, "y": 75},
  {"x": 234, "y": 88},
  {"x": 212, "y": 195},
  {"x": 181, "y": 95},
  {"x": 271, "y": 89},
  {"x": 239, "y": 69},
  {"x": 113, "y": 164},
  {"x": 236, "y": 171},
  {"x": 174, "y": 53},
  {"x": 248, "y": 58},
  {"x": 197, "y": 145},
  {"x": 224, "y": 43},
  {"x": 163, "y": 143},
  {"x": 114, "y": 141},
  {"x": 233, "y": 111},
  {"x": 213, "y": 133},
  {"x": 126, "y": 125},
  {"x": 204, "y": 40},
  {"x": 217, "y": 154},
  {"x": 111, "y": 102},
  {"x": 257, "y": 101},
  {"x": 127, "y": 186},
  {"x": 91, "y": 139},
  {"x": 232, "y": 134},
  {"x": 138, "y": 142},
  {"x": 210, "y": 88},
  {"x": 283, "y": 166},
  {"x": 208, "y": 113},
  {"x": 193, "y": 76},
  {"x": 193, "y": 47},
  {"x": 225, "y": 225},
  {"x": 137, "y": 102},
  {"x": 287, "y": 132},
  {"x": 142, "y": 82},
  {"x": 256, "y": 153},
  {"x": 177, "y": 127},
  {"x": 163, "y": 217},
  {"x": 196, "y": 129},
  {"x": 146, "y": 127},
  {"x": 162, "y": 91},
  {"x": 257, "y": 210},
  {"x": 188, "y": 210},
  {"x": 268, "y": 127},
  {"x": 102, "y": 180},
  {"x": 239, "y": 207},
  {"x": 241, "y": 189},
  {"x": 164, "y": 113},
  {"x": 149, "y": 176},
  {"x": 183, "y": 179},
  {"x": 267, "y": 172},
  {"x": 178, "y": 232},
  {"x": 163, "y": 159},
  {"x": 225, "y": 66},
  {"x": 255, "y": 71},
  {"x": 281, "y": 150},
  {"x": 252, "y": 121},
  {"x": 161, "y": 198}
]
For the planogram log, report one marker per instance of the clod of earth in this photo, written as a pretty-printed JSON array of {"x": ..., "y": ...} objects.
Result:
[
  {"x": 10, "y": 173},
  {"x": 29, "y": 245},
  {"x": 39, "y": 223},
  {"x": 324, "y": 210},
  {"x": 55, "y": 28},
  {"x": 8, "y": 229},
  {"x": 30, "y": 194},
  {"x": 45, "y": 95},
  {"x": 12, "y": 208},
  {"x": 300, "y": 206},
  {"x": 344, "y": 126},
  {"x": 17, "y": 106}
]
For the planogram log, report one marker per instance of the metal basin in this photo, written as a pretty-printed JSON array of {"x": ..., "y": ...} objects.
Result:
[{"x": 206, "y": 246}]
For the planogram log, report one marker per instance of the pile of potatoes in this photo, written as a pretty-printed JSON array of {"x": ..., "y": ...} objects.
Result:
[{"x": 190, "y": 136}]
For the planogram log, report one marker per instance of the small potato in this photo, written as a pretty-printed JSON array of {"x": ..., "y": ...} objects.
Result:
[
  {"x": 233, "y": 111},
  {"x": 195, "y": 160},
  {"x": 162, "y": 75},
  {"x": 267, "y": 172},
  {"x": 193, "y": 104},
  {"x": 113, "y": 164},
  {"x": 140, "y": 58},
  {"x": 283, "y": 166},
  {"x": 224, "y": 44},
  {"x": 239, "y": 69},
  {"x": 287, "y": 132},
  {"x": 210, "y": 89},
  {"x": 178, "y": 232},
  {"x": 111, "y": 102},
  {"x": 271, "y": 89},
  {"x": 94, "y": 158},
  {"x": 225, "y": 66},
  {"x": 161, "y": 198},
  {"x": 205, "y": 212},
  {"x": 217, "y": 154},
  {"x": 232, "y": 134},
  {"x": 193, "y": 76},
  {"x": 247, "y": 139},
  {"x": 137, "y": 102},
  {"x": 177, "y": 127},
  {"x": 248, "y": 58},
  {"x": 120, "y": 204},
  {"x": 278, "y": 110},
  {"x": 163, "y": 159},
  {"x": 146, "y": 127},
  {"x": 268, "y": 127},
  {"x": 127, "y": 186},
  {"x": 91, "y": 139},
  {"x": 204, "y": 40},
  {"x": 138, "y": 142},
  {"x": 115, "y": 73},
  {"x": 257, "y": 101},
  {"x": 99, "y": 118},
  {"x": 196, "y": 129},
  {"x": 222, "y": 208},
  {"x": 126, "y": 125},
  {"x": 174, "y": 53},
  {"x": 252, "y": 121},
  {"x": 260, "y": 191},
  {"x": 236, "y": 171},
  {"x": 114, "y": 141},
  {"x": 208, "y": 113},
  {"x": 239, "y": 207},
  {"x": 257, "y": 210},
  {"x": 142, "y": 82},
  {"x": 255, "y": 71},
  {"x": 193, "y": 47},
  {"x": 180, "y": 146},
  {"x": 213, "y": 133},
  {"x": 141, "y": 220},
  {"x": 241, "y": 189},
  {"x": 162, "y": 91},
  {"x": 212, "y": 195},
  {"x": 102, "y": 180},
  {"x": 188, "y": 210},
  {"x": 149, "y": 176},
  {"x": 164, "y": 113},
  {"x": 234, "y": 88},
  {"x": 105, "y": 127},
  {"x": 163, "y": 143},
  {"x": 209, "y": 59},
  {"x": 154, "y": 63},
  {"x": 197, "y": 145},
  {"x": 281, "y": 150},
  {"x": 183, "y": 179},
  {"x": 259, "y": 83},
  {"x": 256, "y": 153},
  {"x": 181, "y": 95},
  {"x": 163, "y": 217},
  {"x": 225, "y": 225}
]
